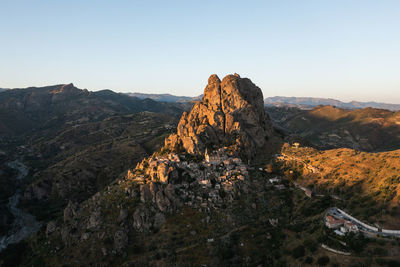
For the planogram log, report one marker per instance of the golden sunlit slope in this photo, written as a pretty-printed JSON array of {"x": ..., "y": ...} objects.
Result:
[
  {"x": 328, "y": 127},
  {"x": 367, "y": 182}
]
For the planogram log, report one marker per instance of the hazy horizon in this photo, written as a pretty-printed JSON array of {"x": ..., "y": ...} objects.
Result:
[{"x": 345, "y": 50}]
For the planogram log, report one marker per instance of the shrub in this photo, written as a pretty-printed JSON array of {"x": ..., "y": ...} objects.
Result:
[
  {"x": 324, "y": 260},
  {"x": 311, "y": 245},
  {"x": 298, "y": 252},
  {"x": 309, "y": 260},
  {"x": 380, "y": 251},
  {"x": 387, "y": 262}
]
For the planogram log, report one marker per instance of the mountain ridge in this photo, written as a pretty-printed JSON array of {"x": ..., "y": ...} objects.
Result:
[
  {"x": 163, "y": 97},
  {"x": 301, "y": 102},
  {"x": 309, "y": 102},
  {"x": 51, "y": 105}
]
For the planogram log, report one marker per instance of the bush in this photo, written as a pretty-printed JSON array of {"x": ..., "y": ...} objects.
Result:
[
  {"x": 309, "y": 260},
  {"x": 226, "y": 251},
  {"x": 311, "y": 245},
  {"x": 324, "y": 260},
  {"x": 298, "y": 252},
  {"x": 389, "y": 263},
  {"x": 380, "y": 251}
]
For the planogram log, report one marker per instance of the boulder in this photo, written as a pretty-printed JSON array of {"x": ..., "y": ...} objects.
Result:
[
  {"x": 120, "y": 240},
  {"x": 94, "y": 219},
  {"x": 162, "y": 172},
  {"x": 159, "y": 220},
  {"x": 142, "y": 219},
  {"x": 51, "y": 228},
  {"x": 145, "y": 193},
  {"x": 123, "y": 215},
  {"x": 70, "y": 211},
  {"x": 162, "y": 202}
]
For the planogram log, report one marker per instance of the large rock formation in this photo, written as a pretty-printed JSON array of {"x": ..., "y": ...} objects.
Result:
[
  {"x": 230, "y": 113},
  {"x": 230, "y": 122}
]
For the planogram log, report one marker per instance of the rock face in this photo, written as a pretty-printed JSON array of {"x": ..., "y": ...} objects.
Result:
[{"x": 231, "y": 112}]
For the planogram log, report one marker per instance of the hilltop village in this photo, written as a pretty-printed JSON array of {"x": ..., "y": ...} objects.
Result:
[{"x": 213, "y": 173}]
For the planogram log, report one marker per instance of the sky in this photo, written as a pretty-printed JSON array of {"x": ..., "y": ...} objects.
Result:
[{"x": 342, "y": 49}]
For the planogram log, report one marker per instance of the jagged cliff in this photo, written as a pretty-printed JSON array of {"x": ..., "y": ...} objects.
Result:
[{"x": 231, "y": 112}]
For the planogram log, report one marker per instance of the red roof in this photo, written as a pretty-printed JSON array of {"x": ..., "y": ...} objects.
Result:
[
  {"x": 333, "y": 220},
  {"x": 350, "y": 224}
]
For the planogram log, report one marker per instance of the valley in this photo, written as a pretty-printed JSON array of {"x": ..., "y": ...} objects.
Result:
[{"x": 24, "y": 223}]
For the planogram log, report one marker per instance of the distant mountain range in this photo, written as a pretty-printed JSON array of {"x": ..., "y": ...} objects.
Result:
[
  {"x": 164, "y": 97},
  {"x": 310, "y": 102},
  {"x": 275, "y": 101},
  {"x": 278, "y": 101}
]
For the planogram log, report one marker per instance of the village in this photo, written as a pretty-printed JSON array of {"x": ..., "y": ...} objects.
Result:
[
  {"x": 218, "y": 176},
  {"x": 215, "y": 177}
]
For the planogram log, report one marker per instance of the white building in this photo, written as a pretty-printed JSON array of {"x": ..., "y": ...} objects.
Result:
[
  {"x": 274, "y": 180},
  {"x": 350, "y": 227},
  {"x": 339, "y": 232},
  {"x": 213, "y": 158}
]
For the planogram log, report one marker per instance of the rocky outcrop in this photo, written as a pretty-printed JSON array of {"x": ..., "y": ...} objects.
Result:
[
  {"x": 230, "y": 113},
  {"x": 70, "y": 211},
  {"x": 120, "y": 240},
  {"x": 229, "y": 122}
]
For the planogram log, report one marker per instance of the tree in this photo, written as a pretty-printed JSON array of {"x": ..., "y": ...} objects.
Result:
[
  {"x": 324, "y": 260},
  {"x": 298, "y": 252}
]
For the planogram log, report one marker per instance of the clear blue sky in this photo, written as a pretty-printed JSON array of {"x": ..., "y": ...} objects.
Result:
[{"x": 344, "y": 49}]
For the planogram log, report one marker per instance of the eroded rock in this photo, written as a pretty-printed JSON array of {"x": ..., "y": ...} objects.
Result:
[{"x": 231, "y": 111}]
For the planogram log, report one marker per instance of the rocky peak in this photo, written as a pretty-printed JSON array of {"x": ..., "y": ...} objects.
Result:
[
  {"x": 66, "y": 89},
  {"x": 231, "y": 112}
]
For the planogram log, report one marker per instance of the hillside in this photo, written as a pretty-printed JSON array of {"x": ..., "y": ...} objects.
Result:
[
  {"x": 368, "y": 183},
  {"x": 84, "y": 159},
  {"x": 328, "y": 127},
  {"x": 310, "y": 102},
  {"x": 70, "y": 144},
  {"x": 53, "y": 107}
]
